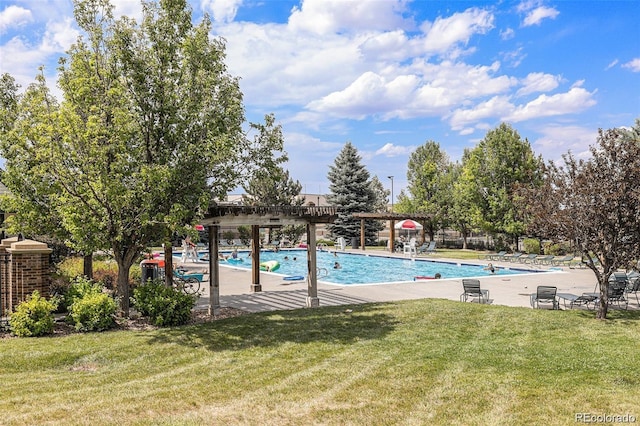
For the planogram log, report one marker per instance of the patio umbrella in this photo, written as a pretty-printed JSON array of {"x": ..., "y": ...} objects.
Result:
[
  {"x": 199, "y": 227},
  {"x": 409, "y": 225}
]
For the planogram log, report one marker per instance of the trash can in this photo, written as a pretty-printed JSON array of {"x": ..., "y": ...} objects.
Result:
[
  {"x": 151, "y": 269},
  {"x": 354, "y": 243}
]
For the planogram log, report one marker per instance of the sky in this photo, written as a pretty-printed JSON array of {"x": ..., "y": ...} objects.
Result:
[{"x": 390, "y": 75}]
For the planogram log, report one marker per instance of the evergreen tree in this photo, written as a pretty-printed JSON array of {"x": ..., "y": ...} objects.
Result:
[{"x": 352, "y": 191}]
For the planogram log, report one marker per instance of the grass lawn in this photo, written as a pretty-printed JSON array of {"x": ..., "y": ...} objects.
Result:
[{"x": 406, "y": 363}]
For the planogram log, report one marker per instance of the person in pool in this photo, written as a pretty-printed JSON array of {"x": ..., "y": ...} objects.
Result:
[
  {"x": 337, "y": 266},
  {"x": 490, "y": 268}
]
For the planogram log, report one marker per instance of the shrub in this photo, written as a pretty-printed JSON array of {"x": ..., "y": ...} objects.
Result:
[
  {"x": 93, "y": 312},
  {"x": 79, "y": 288},
  {"x": 531, "y": 245},
  {"x": 165, "y": 306},
  {"x": 33, "y": 317}
]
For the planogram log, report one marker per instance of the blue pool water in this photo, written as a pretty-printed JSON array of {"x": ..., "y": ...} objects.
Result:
[{"x": 365, "y": 269}]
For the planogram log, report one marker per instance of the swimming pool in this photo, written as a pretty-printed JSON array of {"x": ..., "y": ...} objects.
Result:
[{"x": 366, "y": 269}]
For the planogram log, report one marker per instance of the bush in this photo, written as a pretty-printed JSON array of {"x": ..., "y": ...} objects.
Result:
[
  {"x": 93, "y": 312},
  {"x": 165, "y": 306},
  {"x": 79, "y": 288},
  {"x": 33, "y": 317},
  {"x": 531, "y": 245}
]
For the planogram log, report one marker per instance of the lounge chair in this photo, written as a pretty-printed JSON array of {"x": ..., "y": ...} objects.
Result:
[
  {"x": 545, "y": 295},
  {"x": 542, "y": 260},
  {"x": 492, "y": 256},
  {"x": 562, "y": 260},
  {"x": 427, "y": 248},
  {"x": 529, "y": 258},
  {"x": 510, "y": 257},
  {"x": 472, "y": 291}
]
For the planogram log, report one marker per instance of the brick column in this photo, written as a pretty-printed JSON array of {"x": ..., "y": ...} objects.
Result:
[
  {"x": 5, "y": 283},
  {"x": 29, "y": 270}
]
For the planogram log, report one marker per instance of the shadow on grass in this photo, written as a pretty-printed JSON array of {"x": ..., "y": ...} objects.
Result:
[
  {"x": 335, "y": 324},
  {"x": 614, "y": 314}
]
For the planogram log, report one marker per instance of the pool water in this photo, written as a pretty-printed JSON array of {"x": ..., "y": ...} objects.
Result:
[{"x": 366, "y": 269}]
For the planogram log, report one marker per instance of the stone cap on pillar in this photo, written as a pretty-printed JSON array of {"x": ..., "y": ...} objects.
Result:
[
  {"x": 28, "y": 246},
  {"x": 6, "y": 243}
]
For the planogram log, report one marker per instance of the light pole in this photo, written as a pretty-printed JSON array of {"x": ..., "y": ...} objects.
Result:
[{"x": 391, "y": 177}]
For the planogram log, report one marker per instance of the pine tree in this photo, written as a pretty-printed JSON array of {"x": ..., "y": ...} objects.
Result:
[{"x": 351, "y": 191}]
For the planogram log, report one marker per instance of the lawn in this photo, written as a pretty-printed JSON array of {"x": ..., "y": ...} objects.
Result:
[{"x": 416, "y": 362}]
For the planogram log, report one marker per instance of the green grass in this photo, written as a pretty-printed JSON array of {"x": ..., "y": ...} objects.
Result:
[{"x": 417, "y": 362}]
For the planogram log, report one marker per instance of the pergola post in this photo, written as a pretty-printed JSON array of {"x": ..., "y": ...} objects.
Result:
[
  {"x": 392, "y": 235},
  {"x": 362, "y": 236},
  {"x": 214, "y": 271},
  {"x": 312, "y": 277},
  {"x": 255, "y": 255}
]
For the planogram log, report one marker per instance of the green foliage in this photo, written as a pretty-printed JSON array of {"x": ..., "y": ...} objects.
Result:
[
  {"x": 93, "y": 312},
  {"x": 228, "y": 236},
  {"x": 531, "y": 245},
  {"x": 496, "y": 168},
  {"x": 80, "y": 287},
  {"x": 33, "y": 317},
  {"x": 351, "y": 191},
  {"x": 553, "y": 249},
  {"x": 244, "y": 233},
  {"x": 165, "y": 306},
  {"x": 428, "y": 186}
]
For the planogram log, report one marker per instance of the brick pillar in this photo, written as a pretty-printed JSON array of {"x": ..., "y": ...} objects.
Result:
[
  {"x": 5, "y": 283},
  {"x": 29, "y": 270}
]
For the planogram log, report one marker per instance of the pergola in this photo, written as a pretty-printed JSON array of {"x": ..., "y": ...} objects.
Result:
[
  {"x": 391, "y": 217},
  {"x": 257, "y": 217}
]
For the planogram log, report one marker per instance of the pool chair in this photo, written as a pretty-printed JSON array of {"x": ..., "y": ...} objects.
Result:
[
  {"x": 545, "y": 295},
  {"x": 617, "y": 289},
  {"x": 562, "y": 260},
  {"x": 472, "y": 291},
  {"x": 634, "y": 285},
  {"x": 427, "y": 248},
  {"x": 510, "y": 257}
]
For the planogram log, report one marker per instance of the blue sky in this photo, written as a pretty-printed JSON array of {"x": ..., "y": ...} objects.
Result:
[{"x": 389, "y": 75}]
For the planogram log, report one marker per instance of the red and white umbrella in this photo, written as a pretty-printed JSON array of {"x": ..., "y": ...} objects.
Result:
[
  {"x": 199, "y": 227},
  {"x": 408, "y": 224}
]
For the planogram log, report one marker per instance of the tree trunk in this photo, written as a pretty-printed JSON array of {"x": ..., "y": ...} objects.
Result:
[
  {"x": 603, "y": 304},
  {"x": 168, "y": 263},
  {"x": 125, "y": 261},
  {"x": 87, "y": 265}
]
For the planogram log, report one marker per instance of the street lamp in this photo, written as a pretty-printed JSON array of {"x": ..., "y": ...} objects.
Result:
[{"x": 391, "y": 177}]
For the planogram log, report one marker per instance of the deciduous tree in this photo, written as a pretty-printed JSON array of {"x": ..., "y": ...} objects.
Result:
[{"x": 595, "y": 204}]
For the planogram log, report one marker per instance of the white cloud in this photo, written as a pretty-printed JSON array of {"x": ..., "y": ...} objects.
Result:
[
  {"x": 557, "y": 140},
  {"x": 633, "y": 65},
  {"x": 514, "y": 58},
  {"x": 537, "y": 15},
  {"x": 332, "y": 16},
  {"x": 457, "y": 29},
  {"x": 507, "y": 34},
  {"x": 391, "y": 150},
  {"x": 611, "y": 65},
  {"x": 59, "y": 36},
  {"x": 14, "y": 17},
  {"x": 538, "y": 82},
  {"x": 575, "y": 100},
  {"x": 222, "y": 10},
  {"x": 494, "y": 107}
]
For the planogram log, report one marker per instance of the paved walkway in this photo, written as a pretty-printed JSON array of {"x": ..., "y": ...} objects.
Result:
[{"x": 278, "y": 294}]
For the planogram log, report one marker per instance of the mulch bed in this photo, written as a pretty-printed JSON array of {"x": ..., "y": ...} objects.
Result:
[{"x": 61, "y": 328}]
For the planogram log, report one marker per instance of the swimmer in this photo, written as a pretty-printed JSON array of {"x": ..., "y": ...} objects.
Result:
[
  {"x": 437, "y": 276},
  {"x": 490, "y": 268},
  {"x": 337, "y": 266}
]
